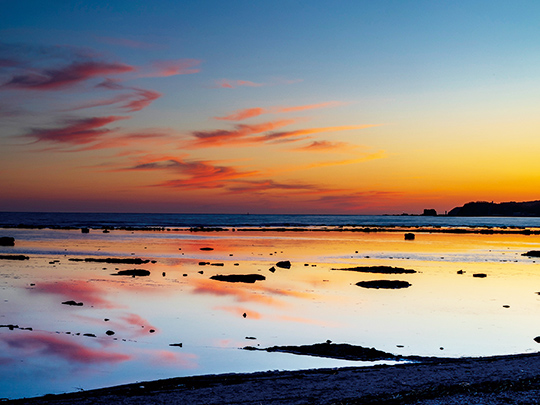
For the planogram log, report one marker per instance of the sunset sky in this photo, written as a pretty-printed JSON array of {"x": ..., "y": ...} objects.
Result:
[{"x": 344, "y": 107}]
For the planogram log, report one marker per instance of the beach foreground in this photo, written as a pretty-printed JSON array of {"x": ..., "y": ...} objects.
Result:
[{"x": 486, "y": 380}]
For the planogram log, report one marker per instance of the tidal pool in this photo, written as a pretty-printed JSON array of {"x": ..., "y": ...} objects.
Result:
[{"x": 129, "y": 328}]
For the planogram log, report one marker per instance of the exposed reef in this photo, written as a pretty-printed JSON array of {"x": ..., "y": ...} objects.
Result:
[
  {"x": 7, "y": 241},
  {"x": 14, "y": 257},
  {"x": 238, "y": 278},
  {"x": 379, "y": 270},
  {"x": 384, "y": 284},
  {"x": 132, "y": 272},
  {"x": 112, "y": 260}
]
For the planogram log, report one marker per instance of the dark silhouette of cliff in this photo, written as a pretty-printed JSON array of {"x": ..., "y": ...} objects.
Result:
[{"x": 505, "y": 209}]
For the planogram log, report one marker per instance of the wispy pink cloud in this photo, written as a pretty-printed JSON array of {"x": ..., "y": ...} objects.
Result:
[
  {"x": 66, "y": 76},
  {"x": 241, "y": 133},
  {"x": 143, "y": 98},
  {"x": 76, "y": 131},
  {"x": 271, "y": 185},
  {"x": 326, "y": 146},
  {"x": 240, "y": 115},
  {"x": 136, "y": 100},
  {"x": 243, "y": 114},
  {"x": 244, "y": 134},
  {"x": 196, "y": 174}
]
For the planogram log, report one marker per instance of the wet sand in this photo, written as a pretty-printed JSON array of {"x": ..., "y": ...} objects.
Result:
[{"x": 488, "y": 380}]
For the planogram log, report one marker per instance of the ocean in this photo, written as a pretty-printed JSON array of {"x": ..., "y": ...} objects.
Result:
[
  {"x": 71, "y": 319},
  {"x": 138, "y": 220}
]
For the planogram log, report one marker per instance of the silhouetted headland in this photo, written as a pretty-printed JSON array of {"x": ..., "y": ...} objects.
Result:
[{"x": 505, "y": 209}]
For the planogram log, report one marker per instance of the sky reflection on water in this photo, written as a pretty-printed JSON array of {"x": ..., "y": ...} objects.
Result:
[{"x": 123, "y": 331}]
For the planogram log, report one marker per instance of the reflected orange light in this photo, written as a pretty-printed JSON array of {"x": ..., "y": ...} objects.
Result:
[
  {"x": 77, "y": 290},
  {"x": 240, "y": 311}
]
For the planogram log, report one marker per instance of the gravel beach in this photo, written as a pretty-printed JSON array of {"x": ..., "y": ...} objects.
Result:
[{"x": 487, "y": 380}]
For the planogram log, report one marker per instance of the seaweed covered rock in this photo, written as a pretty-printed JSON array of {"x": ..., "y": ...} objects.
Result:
[{"x": 384, "y": 284}]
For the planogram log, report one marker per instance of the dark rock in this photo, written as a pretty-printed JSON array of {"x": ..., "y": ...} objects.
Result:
[
  {"x": 85, "y": 230},
  {"x": 430, "y": 212},
  {"x": 284, "y": 264},
  {"x": 7, "y": 241},
  {"x": 379, "y": 270},
  {"x": 272, "y": 269},
  {"x": 203, "y": 263},
  {"x": 385, "y": 284},
  {"x": 532, "y": 253},
  {"x": 479, "y": 275},
  {"x": 14, "y": 257},
  {"x": 200, "y": 272},
  {"x": 163, "y": 274},
  {"x": 537, "y": 339},
  {"x": 73, "y": 303},
  {"x": 109, "y": 333},
  {"x": 132, "y": 272},
  {"x": 130, "y": 260},
  {"x": 238, "y": 278},
  {"x": 460, "y": 272},
  {"x": 409, "y": 236},
  {"x": 10, "y": 327},
  {"x": 89, "y": 335},
  {"x": 176, "y": 344},
  {"x": 207, "y": 248},
  {"x": 332, "y": 350},
  {"x": 218, "y": 264},
  {"x": 244, "y": 315}
]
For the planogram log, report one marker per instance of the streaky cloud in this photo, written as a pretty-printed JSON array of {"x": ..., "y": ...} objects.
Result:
[
  {"x": 243, "y": 114},
  {"x": 76, "y": 131},
  {"x": 66, "y": 76},
  {"x": 197, "y": 174},
  {"x": 241, "y": 134},
  {"x": 270, "y": 185},
  {"x": 326, "y": 146}
]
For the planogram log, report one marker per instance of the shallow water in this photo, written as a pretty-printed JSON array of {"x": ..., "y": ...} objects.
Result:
[{"x": 442, "y": 313}]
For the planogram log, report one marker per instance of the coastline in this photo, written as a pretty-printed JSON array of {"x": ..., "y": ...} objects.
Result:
[
  {"x": 175, "y": 263},
  {"x": 469, "y": 380}
]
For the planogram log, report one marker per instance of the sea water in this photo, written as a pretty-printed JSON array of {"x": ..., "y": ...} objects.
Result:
[{"x": 124, "y": 329}]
